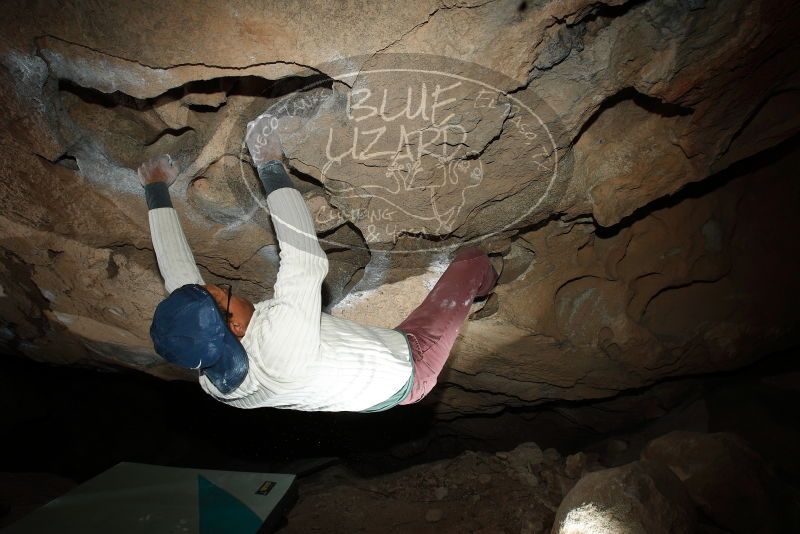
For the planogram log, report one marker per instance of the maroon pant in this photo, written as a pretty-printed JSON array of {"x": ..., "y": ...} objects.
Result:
[{"x": 433, "y": 326}]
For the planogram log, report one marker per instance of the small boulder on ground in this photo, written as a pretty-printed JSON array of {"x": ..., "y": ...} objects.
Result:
[{"x": 638, "y": 498}]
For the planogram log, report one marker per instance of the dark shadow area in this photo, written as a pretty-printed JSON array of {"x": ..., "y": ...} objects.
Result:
[
  {"x": 78, "y": 422},
  {"x": 609, "y": 11},
  {"x": 65, "y": 425},
  {"x": 230, "y": 85}
]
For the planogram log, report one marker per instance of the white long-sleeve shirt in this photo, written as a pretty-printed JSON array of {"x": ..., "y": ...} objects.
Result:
[{"x": 299, "y": 357}]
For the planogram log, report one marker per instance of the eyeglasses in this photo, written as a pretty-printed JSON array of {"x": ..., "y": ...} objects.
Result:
[{"x": 227, "y": 316}]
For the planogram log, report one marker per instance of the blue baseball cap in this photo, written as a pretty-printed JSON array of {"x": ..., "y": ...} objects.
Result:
[{"x": 188, "y": 330}]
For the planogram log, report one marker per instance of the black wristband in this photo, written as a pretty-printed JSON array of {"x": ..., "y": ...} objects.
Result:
[
  {"x": 157, "y": 195},
  {"x": 273, "y": 176}
]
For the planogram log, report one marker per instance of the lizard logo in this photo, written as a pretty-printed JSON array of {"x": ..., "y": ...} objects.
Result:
[{"x": 419, "y": 148}]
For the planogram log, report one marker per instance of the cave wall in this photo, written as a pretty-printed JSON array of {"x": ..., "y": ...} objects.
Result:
[{"x": 662, "y": 247}]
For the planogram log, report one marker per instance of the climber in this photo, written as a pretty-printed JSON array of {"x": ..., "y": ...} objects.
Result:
[{"x": 285, "y": 352}]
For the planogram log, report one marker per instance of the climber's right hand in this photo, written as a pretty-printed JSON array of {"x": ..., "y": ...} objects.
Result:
[
  {"x": 158, "y": 169},
  {"x": 262, "y": 139}
]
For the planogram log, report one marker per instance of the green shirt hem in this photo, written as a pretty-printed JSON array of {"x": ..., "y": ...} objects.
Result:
[{"x": 402, "y": 393}]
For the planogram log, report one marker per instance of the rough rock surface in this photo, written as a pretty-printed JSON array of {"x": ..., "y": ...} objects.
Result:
[
  {"x": 608, "y": 282},
  {"x": 514, "y": 491},
  {"x": 637, "y": 498},
  {"x": 727, "y": 480}
]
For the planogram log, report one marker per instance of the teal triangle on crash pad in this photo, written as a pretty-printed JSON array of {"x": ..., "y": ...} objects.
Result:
[{"x": 222, "y": 512}]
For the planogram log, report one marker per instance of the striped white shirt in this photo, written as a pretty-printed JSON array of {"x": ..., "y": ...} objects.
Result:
[{"x": 299, "y": 357}]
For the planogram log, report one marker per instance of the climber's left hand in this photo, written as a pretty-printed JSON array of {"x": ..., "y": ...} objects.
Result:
[
  {"x": 262, "y": 139},
  {"x": 158, "y": 169}
]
